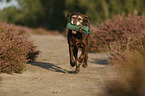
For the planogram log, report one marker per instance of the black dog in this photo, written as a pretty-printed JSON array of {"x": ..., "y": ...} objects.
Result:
[{"x": 77, "y": 39}]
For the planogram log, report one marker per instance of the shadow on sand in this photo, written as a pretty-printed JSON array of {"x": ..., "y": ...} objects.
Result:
[
  {"x": 50, "y": 67},
  {"x": 100, "y": 61}
]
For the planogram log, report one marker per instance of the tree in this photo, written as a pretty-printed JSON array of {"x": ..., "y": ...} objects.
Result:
[{"x": 50, "y": 13}]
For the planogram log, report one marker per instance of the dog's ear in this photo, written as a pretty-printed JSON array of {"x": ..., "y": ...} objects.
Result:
[
  {"x": 68, "y": 15},
  {"x": 86, "y": 18}
]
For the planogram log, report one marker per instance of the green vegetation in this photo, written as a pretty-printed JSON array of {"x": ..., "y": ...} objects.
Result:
[{"x": 50, "y": 13}]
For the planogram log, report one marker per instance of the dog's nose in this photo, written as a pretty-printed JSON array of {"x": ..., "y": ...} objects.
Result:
[{"x": 75, "y": 22}]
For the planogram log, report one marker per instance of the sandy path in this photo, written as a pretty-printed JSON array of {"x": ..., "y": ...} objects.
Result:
[{"x": 51, "y": 74}]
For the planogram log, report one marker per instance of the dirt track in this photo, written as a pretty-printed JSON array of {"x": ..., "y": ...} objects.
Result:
[{"x": 51, "y": 74}]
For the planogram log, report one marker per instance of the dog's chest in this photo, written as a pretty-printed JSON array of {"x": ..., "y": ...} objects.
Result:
[{"x": 77, "y": 40}]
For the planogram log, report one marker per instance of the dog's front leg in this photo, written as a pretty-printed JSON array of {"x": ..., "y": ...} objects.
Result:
[
  {"x": 86, "y": 53},
  {"x": 71, "y": 50},
  {"x": 81, "y": 59},
  {"x": 86, "y": 58}
]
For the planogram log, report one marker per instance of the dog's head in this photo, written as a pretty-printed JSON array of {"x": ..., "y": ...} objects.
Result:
[{"x": 78, "y": 19}]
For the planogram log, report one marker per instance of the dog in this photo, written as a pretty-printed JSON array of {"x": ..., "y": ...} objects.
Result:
[{"x": 77, "y": 39}]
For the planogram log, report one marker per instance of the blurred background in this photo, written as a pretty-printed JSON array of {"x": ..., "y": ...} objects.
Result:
[{"x": 49, "y": 14}]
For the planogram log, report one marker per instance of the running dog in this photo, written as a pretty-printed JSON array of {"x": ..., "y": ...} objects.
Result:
[{"x": 78, "y": 37}]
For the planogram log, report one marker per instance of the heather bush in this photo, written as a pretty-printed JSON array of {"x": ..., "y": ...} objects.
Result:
[
  {"x": 131, "y": 78},
  {"x": 118, "y": 34},
  {"x": 124, "y": 37},
  {"x": 15, "y": 49}
]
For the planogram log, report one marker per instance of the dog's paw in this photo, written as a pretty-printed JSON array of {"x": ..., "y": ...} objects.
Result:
[
  {"x": 77, "y": 71},
  {"x": 84, "y": 65},
  {"x": 73, "y": 64}
]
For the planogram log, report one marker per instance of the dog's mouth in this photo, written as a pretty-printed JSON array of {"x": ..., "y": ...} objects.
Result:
[{"x": 74, "y": 32}]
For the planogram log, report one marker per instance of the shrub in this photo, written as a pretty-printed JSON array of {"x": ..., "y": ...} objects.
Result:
[
  {"x": 124, "y": 37},
  {"x": 118, "y": 34},
  {"x": 131, "y": 78},
  {"x": 15, "y": 49}
]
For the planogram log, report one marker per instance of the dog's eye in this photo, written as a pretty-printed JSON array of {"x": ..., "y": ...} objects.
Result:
[
  {"x": 80, "y": 19},
  {"x": 73, "y": 17}
]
